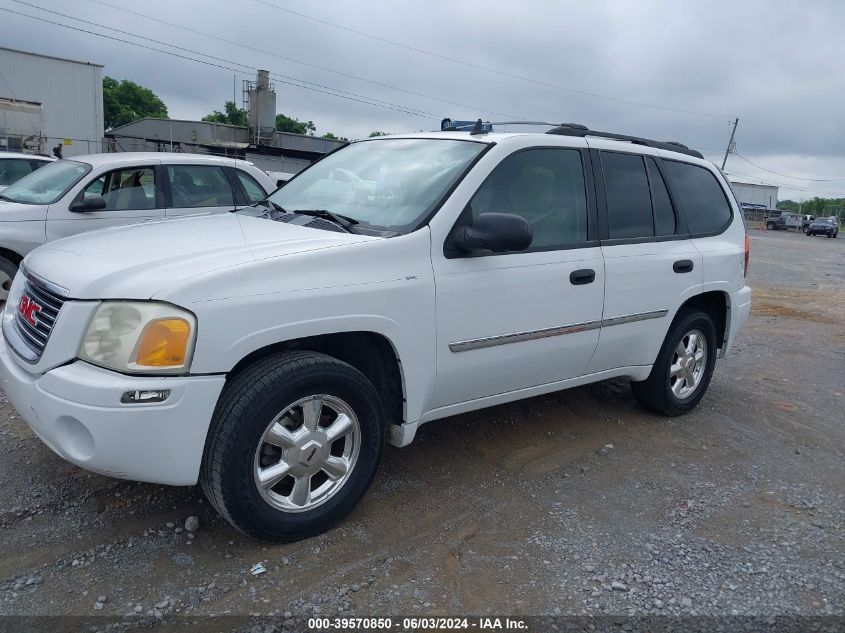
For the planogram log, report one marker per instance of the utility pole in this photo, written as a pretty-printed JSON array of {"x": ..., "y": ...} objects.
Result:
[{"x": 730, "y": 143}]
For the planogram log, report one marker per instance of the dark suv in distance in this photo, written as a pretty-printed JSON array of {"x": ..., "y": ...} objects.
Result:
[{"x": 824, "y": 226}]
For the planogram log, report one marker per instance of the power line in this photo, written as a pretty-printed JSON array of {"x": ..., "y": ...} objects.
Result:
[
  {"x": 777, "y": 173},
  {"x": 142, "y": 37},
  {"x": 484, "y": 68},
  {"x": 785, "y": 185},
  {"x": 303, "y": 63},
  {"x": 280, "y": 78}
]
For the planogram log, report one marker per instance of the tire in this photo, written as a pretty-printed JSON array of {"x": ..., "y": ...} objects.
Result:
[
  {"x": 656, "y": 392},
  {"x": 8, "y": 270},
  {"x": 770, "y": 226},
  {"x": 237, "y": 454}
]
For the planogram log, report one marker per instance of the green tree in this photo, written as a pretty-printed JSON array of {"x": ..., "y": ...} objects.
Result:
[
  {"x": 232, "y": 115},
  {"x": 286, "y": 123},
  {"x": 333, "y": 137},
  {"x": 125, "y": 101},
  {"x": 375, "y": 133}
]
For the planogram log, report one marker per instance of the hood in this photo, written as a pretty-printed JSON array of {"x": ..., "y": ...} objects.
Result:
[
  {"x": 19, "y": 212},
  {"x": 135, "y": 262}
]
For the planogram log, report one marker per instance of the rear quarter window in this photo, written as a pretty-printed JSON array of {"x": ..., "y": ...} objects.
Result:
[{"x": 702, "y": 198}]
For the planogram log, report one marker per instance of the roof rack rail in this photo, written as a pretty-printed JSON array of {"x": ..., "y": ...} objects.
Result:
[{"x": 574, "y": 129}]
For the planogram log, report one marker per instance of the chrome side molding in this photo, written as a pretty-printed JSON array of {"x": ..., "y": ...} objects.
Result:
[{"x": 530, "y": 335}]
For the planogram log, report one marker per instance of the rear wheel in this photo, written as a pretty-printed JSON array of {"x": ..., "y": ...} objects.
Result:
[
  {"x": 770, "y": 226},
  {"x": 294, "y": 444},
  {"x": 681, "y": 374},
  {"x": 8, "y": 270}
]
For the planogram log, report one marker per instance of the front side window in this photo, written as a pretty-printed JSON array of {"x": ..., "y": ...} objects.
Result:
[
  {"x": 386, "y": 185},
  {"x": 544, "y": 186},
  {"x": 12, "y": 170},
  {"x": 48, "y": 184},
  {"x": 701, "y": 196},
  {"x": 196, "y": 186},
  {"x": 629, "y": 212},
  {"x": 127, "y": 189}
]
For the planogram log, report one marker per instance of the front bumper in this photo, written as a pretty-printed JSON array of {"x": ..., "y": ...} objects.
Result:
[
  {"x": 739, "y": 308},
  {"x": 76, "y": 410}
]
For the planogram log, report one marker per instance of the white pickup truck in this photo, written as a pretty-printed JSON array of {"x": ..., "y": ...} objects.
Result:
[{"x": 268, "y": 353}]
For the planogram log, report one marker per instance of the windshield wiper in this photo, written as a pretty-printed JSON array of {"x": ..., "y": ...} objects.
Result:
[
  {"x": 2, "y": 197},
  {"x": 343, "y": 221}
]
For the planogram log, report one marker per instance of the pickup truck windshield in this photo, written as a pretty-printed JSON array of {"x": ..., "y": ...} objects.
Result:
[
  {"x": 48, "y": 184},
  {"x": 387, "y": 185}
]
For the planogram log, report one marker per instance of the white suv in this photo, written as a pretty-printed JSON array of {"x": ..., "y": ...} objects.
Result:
[
  {"x": 91, "y": 192},
  {"x": 268, "y": 353}
]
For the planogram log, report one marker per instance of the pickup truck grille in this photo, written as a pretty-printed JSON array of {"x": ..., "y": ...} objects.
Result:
[{"x": 36, "y": 316}]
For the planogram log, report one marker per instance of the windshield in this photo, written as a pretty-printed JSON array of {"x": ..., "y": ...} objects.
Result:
[
  {"x": 386, "y": 185},
  {"x": 48, "y": 184}
]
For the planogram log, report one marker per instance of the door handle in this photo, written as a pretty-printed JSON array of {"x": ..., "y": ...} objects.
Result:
[
  {"x": 683, "y": 266},
  {"x": 581, "y": 277}
]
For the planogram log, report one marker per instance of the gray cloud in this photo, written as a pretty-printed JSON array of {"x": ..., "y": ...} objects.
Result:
[{"x": 775, "y": 65}]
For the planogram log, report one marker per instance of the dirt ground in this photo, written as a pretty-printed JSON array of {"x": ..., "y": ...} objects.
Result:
[{"x": 579, "y": 503}]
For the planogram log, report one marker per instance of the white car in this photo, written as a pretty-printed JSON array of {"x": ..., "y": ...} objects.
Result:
[
  {"x": 268, "y": 353},
  {"x": 14, "y": 166},
  {"x": 101, "y": 190}
]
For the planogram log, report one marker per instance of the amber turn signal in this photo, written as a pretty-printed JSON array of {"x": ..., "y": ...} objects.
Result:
[{"x": 164, "y": 343}]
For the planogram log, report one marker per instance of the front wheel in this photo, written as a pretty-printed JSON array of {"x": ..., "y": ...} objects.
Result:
[
  {"x": 681, "y": 374},
  {"x": 770, "y": 226},
  {"x": 294, "y": 444}
]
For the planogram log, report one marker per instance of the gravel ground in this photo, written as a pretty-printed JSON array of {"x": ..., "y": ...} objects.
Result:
[{"x": 575, "y": 504}]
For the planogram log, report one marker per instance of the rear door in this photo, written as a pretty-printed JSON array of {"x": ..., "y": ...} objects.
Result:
[
  {"x": 195, "y": 189},
  {"x": 132, "y": 194},
  {"x": 651, "y": 265}
]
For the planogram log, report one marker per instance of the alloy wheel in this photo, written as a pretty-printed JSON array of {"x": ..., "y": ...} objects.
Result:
[
  {"x": 307, "y": 453},
  {"x": 689, "y": 361}
]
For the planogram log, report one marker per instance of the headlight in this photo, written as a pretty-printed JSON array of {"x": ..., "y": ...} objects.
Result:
[
  {"x": 140, "y": 337},
  {"x": 13, "y": 299}
]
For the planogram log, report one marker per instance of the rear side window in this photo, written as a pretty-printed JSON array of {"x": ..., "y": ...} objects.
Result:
[
  {"x": 197, "y": 186},
  {"x": 664, "y": 214},
  {"x": 253, "y": 190},
  {"x": 704, "y": 202},
  {"x": 628, "y": 197}
]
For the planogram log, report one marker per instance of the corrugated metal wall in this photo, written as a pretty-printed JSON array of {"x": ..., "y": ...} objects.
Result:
[
  {"x": 71, "y": 94},
  {"x": 748, "y": 193}
]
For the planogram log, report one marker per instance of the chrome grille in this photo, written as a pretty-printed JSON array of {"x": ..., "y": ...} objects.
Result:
[{"x": 35, "y": 336}]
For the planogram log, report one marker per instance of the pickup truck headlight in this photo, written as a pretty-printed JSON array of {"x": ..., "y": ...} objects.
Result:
[{"x": 140, "y": 337}]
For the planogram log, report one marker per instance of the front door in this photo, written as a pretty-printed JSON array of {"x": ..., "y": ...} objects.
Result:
[
  {"x": 131, "y": 195},
  {"x": 516, "y": 320}
]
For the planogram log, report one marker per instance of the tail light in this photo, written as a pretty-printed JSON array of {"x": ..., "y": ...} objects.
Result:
[{"x": 747, "y": 255}]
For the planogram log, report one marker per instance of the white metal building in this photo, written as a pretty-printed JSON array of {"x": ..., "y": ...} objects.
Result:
[
  {"x": 68, "y": 93},
  {"x": 753, "y": 194}
]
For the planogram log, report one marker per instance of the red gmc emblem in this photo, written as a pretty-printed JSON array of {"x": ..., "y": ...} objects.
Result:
[{"x": 28, "y": 309}]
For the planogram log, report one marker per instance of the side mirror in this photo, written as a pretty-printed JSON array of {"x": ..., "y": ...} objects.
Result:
[
  {"x": 497, "y": 232},
  {"x": 89, "y": 203}
]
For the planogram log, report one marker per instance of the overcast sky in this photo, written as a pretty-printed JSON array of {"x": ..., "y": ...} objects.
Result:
[{"x": 778, "y": 66}]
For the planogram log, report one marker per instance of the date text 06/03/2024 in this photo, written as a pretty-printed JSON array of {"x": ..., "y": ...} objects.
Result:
[{"x": 432, "y": 623}]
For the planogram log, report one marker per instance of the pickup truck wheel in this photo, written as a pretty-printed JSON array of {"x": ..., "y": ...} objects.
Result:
[
  {"x": 770, "y": 226},
  {"x": 8, "y": 270},
  {"x": 681, "y": 374},
  {"x": 294, "y": 444}
]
